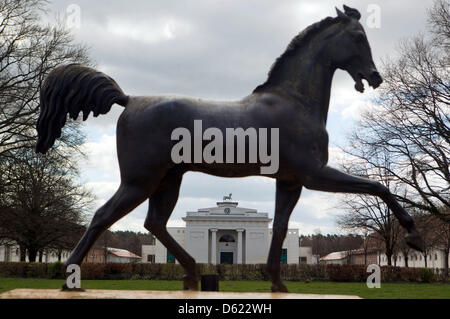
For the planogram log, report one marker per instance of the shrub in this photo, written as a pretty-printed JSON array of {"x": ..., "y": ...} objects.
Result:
[
  {"x": 92, "y": 271},
  {"x": 37, "y": 270},
  {"x": 171, "y": 272},
  {"x": 57, "y": 270},
  {"x": 426, "y": 275},
  {"x": 349, "y": 273},
  {"x": 346, "y": 272},
  {"x": 13, "y": 269}
]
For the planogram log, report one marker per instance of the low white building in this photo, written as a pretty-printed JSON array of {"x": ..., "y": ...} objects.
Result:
[
  {"x": 11, "y": 252},
  {"x": 435, "y": 259},
  {"x": 335, "y": 258},
  {"x": 227, "y": 234},
  {"x": 116, "y": 255}
]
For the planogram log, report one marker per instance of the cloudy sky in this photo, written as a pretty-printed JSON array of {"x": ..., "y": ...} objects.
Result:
[{"x": 219, "y": 49}]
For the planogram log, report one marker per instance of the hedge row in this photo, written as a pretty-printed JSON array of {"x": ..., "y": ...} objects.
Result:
[{"x": 350, "y": 273}]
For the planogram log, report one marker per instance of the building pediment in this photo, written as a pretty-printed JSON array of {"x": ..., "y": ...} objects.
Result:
[{"x": 226, "y": 210}]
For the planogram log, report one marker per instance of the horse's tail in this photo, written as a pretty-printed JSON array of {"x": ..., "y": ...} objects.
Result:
[{"x": 72, "y": 89}]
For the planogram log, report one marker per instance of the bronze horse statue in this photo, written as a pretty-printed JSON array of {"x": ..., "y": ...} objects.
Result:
[{"x": 294, "y": 98}]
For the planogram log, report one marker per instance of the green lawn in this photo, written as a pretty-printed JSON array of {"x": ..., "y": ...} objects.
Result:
[{"x": 387, "y": 290}]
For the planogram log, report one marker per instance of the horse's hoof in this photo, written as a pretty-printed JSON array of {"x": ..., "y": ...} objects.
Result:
[
  {"x": 414, "y": 241},
  {"x": 190, "y": 283},
  {"x": 280, "y": 287}
]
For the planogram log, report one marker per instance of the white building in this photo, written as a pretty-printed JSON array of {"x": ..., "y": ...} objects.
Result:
[
  {"x": 435, "y": 259},
  {"x": 335, "y": 258},
  {"x": 227, "y": 234},
  {"x": 116, "y": 255},
  {"x": 11, "y": 252}
]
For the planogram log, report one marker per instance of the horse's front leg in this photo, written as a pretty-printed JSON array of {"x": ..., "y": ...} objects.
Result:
[
  {"x": 127, "y": 197},
  {"x": 329, "y": 179},
  {"x": 287, "y": 196}
]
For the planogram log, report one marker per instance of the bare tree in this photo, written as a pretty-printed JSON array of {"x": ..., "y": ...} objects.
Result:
[
  {"x": 324, "y": 244},
  {"x": 404, "y": 249},
  {"x": 440, "y": 236},
  {"x": 443, "y": 234},
  {"x": 426, "y": 225},
  {"x": 41, "y": 205},
  {"x": 28, "y": 51},
  {"x": 365, "y": 233},
  {"x": 411, "y": 118},
  {"x": 439, "y": 22},
  {"x": 368, "y": 213}
]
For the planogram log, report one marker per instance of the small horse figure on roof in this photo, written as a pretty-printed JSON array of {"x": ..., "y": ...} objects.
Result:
[
  {"x": 295, "y": 98},
  {"x": 227, "y": 197}
]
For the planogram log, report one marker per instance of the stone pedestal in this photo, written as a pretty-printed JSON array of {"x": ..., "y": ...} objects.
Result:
[{"x": 155, "y": 294}]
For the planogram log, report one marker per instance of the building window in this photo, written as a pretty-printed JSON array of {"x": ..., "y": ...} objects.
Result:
[
  {"x": 170, "y": 258},
  {"x": 302, "y": 260},
  {"x": 435, "y": 256},
  {"x": 283, "y": 259},
  {"x": 227, "y": 239},
  {"x": 151, "y": 259}
]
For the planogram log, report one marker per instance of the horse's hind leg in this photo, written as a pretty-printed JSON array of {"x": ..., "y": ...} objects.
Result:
[
  {"x": 287, "y": 196},
  {"x": 161, "y": 205},
  {"x": 331, "y": 180},
  {"x": 126, "y": 198}
]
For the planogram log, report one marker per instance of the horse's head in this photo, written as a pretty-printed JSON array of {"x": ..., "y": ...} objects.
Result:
[{"x": 349, "y": 50}]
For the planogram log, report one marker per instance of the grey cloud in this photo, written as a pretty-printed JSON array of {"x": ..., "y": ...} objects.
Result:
[{"x": 230, "y": 47}]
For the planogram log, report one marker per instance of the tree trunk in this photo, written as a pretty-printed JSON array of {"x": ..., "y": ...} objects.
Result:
[
  {"x": 59, "y": 255},
  {"x": 426, "y": 261},
  {"x": 406, "y": 261},
  {"x": 446, "y": 254},
  {"x": 40, "y": 256},
  {"x": 389, "y": 258},
  {"x": 32, "y": 253},
  {"x": 23, "y": 253}
]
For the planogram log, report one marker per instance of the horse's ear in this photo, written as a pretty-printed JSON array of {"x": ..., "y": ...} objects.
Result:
[
  {"x": 342, "y": 15},
  {"x": 352, "y": 13}
]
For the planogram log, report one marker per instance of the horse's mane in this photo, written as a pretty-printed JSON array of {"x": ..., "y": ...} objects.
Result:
[{"x": 296, "y": 43}]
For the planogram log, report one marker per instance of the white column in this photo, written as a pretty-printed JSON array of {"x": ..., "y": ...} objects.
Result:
[
  {"x": 213, "y": 245},
  {"x": 239, "y": 246}
]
